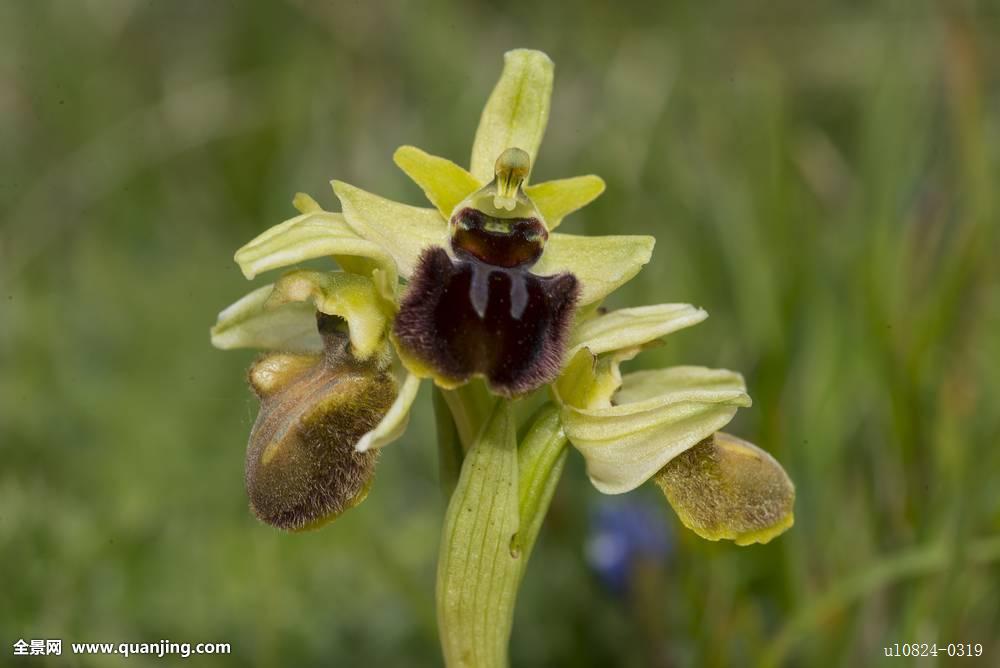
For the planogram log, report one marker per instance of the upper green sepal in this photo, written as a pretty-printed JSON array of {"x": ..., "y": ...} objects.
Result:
[{"x": 517, "y": 111}]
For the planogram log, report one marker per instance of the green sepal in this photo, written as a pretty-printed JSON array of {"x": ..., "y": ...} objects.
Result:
[
  {"x": 516, "y": 113},
  {"x": 601, "y": 264},
  {"x": 248, "y": 324}
]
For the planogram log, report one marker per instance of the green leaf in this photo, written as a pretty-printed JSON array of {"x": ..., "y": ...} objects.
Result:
[
  {"x": 557, "y": 199},
  {"x": 516, "y": 113},
  {"x": 349, "y": 296},
  {"x": 248, "y": 324},
  {"x": 601, "y": 264},
  {"x": 401, "y": 230},
  {"x": 630, "y": 327},
  {"x": 444, "y": 183},
  {"x": 477, "y": 571},
  {"x": 310, "y": 235},
  {"x": 727, "y": 488},
  {"x": 656, "y": 416}
]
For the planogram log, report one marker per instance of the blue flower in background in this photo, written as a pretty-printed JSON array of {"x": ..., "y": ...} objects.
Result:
[{"x": 623, "y": 535}]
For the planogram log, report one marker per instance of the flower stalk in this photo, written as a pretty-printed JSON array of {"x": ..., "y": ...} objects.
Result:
[{"x": 493, "y": 519}]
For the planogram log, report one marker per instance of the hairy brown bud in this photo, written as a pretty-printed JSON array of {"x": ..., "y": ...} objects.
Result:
[{"x": 302, "y": 470}]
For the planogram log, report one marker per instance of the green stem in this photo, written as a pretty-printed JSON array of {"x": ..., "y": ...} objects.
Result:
[
  {"x": 477, "y": 574},
  {"x": 490, "y": 528},
  {"x": 471, "y": 406},
  {"x": 450, "y": 450}
]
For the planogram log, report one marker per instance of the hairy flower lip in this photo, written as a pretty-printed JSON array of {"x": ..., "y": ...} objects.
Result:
[{"x": 462, "y": 318}]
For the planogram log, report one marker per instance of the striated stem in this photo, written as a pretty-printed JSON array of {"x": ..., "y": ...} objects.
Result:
[
  {"x": 477, "y": 574},
  {"x": 450, "y": 451},
  {"x": 493, "y": 519},
  {"x": 471, "y": 405}
]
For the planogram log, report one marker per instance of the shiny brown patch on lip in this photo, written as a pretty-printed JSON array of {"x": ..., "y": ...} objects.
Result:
[
  {"x": 501, "y": 242},
  {"x": 465, "y": 317}
]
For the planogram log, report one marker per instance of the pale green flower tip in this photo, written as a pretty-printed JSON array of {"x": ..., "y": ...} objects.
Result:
[
  {"x": 395, "y": 421},
  {"x": 517, "y": 110},
  {"x": 529, "y": 54},
  {"x": 341, "y": 188},
  {"x": 245, "y": 265},
  {"x": 725, "y": 488},
  {"x": 305, "y": 203}
]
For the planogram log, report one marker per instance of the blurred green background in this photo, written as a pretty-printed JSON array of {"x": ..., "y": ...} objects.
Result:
[{"x": 821, "y": 177}]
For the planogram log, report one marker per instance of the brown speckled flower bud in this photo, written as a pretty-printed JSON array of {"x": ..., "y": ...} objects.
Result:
[{"x": 302, "y": 469}]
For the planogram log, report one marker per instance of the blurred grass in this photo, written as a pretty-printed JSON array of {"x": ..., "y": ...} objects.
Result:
[{"x": 821, "y": 178}]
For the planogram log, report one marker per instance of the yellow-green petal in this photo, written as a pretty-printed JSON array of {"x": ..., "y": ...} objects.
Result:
[
  {"x": 728, "y": 488},
  {"x": 394, "y": 422},
  {"x": 248, "y": 324},
  {"x": 557, "y": 199},
  {"x": 403, "y": 231},
  {"x": 516, "y": 113},
  {"x": 631, "y": 327},
  {"x": 314, "y": 234},
  {"x": 656, "y": 416},
  {"x": 349, "y": 296},
  {"x": 444, "y": 183},
  {"x": 588, "y": 381},
  {"x": 601, "y": 264}
]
